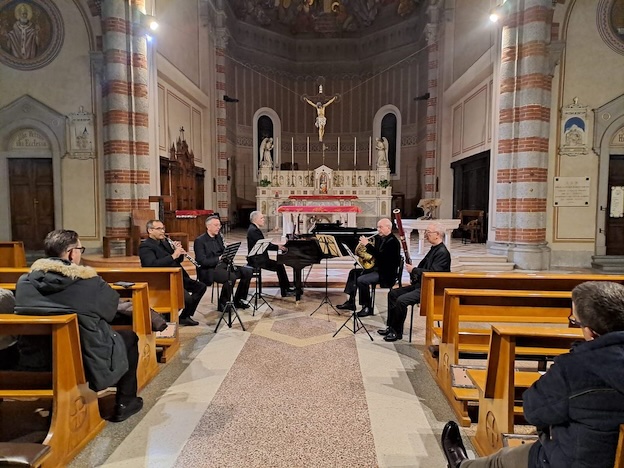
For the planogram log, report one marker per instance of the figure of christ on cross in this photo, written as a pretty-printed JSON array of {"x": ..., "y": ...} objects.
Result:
[{"x": 319, "y": 103}]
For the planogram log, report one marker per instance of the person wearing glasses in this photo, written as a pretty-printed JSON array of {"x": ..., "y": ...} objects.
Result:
[
  {"x": 58, "y": 285},
  {"x": 437, "y": 259},
  {"x": 578, "y": 404},
  {"x": 156, "y": 251}
]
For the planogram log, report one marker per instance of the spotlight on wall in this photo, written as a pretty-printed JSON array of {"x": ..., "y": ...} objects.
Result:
[
  {"x": 227, "y": 98},
  {"x": 150, "y": 22},
  {"x": 424, "y": 97},
  {"x": 496, "y": 13}
]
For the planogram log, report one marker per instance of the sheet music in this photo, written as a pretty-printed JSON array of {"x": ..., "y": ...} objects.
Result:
[
  {"x": 329, "y": 246},
  {"x": 260, "y": 247},
  {"x": 355, "y": 258}
]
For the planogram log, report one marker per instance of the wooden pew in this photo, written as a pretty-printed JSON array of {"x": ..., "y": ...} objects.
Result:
[
  {"x": 434, "y": 284},
  {"x": 500, "y": 383},
  {"x": 75, "y": 414},
  {"x": 142, "y": 326},
  {"x": 12, "y": 254},
  {"x": 486, "y": 306},
  {"x": 166, "y": 294}
]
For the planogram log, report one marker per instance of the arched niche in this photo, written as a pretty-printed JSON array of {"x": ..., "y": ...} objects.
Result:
[
  {"x": 377, "y": 133},
  {"x": 277, "y": 138}
]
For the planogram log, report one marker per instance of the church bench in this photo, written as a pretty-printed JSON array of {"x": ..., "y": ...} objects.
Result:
[
  {"x": 500, "y": 384},
  {"x": 23, "y": 454},
  {"x": 142, "y": 326},
  {"x": 487, "y": 306},
  {"x": 75, "y": 414},
  {"x": 12, "y": 254},
  {"x": 433, "y": 285},
  {"x": 166, "y": 294}
]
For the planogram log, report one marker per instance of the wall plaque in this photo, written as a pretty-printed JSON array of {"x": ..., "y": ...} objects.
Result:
[{"x": 571, "y": 191}]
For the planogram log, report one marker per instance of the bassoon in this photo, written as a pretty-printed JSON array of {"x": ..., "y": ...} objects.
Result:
[{"x": 399, "y": 223}]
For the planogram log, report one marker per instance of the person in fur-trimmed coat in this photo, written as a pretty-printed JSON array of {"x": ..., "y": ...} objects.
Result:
[{"x": 59, "y": 285}]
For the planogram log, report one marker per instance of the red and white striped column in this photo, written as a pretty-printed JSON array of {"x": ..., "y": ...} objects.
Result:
[
  {"x": 125, "y": 119},
  {"x": 524, "y": 125},
  {"x": 223, "y": 199},
  {"x": 432, "y": 122}
]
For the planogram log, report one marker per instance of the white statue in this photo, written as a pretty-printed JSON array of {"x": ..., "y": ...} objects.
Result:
[
  {"x": 382, "y": 152},
  {"x": 265, "y": 152}
]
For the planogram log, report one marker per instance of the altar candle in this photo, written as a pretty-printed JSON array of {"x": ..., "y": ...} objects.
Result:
[
  {"x": 338, "y": 151},
  {"x": 292, "y": 153},
  {"x": 370, "y": 152},
  {"x": 308, "y": 152},
  {"x": 354, "y": 152},
  {"x": 275, "y": 151}
]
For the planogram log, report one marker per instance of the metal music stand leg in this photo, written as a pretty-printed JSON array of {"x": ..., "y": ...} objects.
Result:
[
  {"x": 357, "y": 325},
  {"x": 258, "y": 295},
  {"x": 326, "y": 299},
  {"x": 229, "y": 306}
]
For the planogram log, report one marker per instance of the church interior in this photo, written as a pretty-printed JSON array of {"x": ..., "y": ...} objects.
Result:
[{"x": 501, "y": 120}]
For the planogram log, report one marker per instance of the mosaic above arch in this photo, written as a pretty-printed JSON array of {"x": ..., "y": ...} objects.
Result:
[
  {"x": 610, "y": 21},
  {"x": 31, "y": 33}
]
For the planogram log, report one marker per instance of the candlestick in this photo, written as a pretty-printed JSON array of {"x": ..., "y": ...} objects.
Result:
[
  {"x": 354, "y": 152},
  {"x": 308, "y": 153},
  {"x": 275, "y": 151},
  {"x": 370, "y": 152},
  {"x": 338, "y": 152},
  {"x": 292, "y": 153}
]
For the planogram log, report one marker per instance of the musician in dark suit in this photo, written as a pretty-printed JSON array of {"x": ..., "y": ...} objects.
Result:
[
  {"x": 156, "y": 251},
  {"x": 386, "y": 251},
  {"x": 254, "y": 234},
  {"x": 208, "y": 250},
  {"x": 437, "y": 259}
]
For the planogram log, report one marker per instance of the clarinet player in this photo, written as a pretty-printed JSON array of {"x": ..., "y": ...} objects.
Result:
[{"x": 157, "y": 251}]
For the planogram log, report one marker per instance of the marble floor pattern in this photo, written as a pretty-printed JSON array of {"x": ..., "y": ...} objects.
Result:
[{"x": 283, "y": 393}]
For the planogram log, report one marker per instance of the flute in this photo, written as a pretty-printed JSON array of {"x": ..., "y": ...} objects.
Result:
[{"x": 188, "y": 257}]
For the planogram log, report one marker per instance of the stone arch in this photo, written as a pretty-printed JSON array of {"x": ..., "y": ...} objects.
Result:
[
  {"x": 383, "y": 111},
  {"x": 608, "y": 120},
  {"x": 277, "y": 136},
  {"x": 22, "y": 114}
]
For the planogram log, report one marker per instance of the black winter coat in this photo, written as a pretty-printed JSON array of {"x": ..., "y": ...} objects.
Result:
[
  {"x": 578, "y": 406},
  {"x": 56, "y": 287}
]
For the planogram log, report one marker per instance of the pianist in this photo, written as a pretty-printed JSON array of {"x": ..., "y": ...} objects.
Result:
[
  {"x": 208, "y": 249},
  {"x": 386, "y": 251},
  {"x": 254, "y": 234}
]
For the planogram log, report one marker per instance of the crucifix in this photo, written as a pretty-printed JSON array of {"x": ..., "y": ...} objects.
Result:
[{"x": 320, "y": 101}]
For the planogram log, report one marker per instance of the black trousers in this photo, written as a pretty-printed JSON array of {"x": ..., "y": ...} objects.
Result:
[
  {"x": 361, "y": 280},
  {"x": 224, "y": 277},
  {"x": 127, "y": 385},
  {"x": 282, "y": 277},
  {"x": 398, "y": 301},
  {"x": 193, "y": 292}
]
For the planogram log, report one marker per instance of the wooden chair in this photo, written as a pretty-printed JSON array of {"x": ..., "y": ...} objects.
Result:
[
  {"x": 12, "y": 254},
  {"x": 471, "y": 225},
  {"x": 138, "y": 230}
]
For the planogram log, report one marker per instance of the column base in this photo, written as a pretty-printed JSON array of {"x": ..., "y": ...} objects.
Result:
[{"x": 525, "y": 256}]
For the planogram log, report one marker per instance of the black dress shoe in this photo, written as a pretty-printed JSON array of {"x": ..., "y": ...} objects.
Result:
[
  {"x": 384, "y": 331},
  {"x": 348, "y": 305},
  {"x": 452, "y": 445},
  {"x": 124, "y": 411},
  {"x": 434, "y": 350},
  {"x": 392, "y": 336},
  {"x": 242, "y": 304},
  {"x": 188, "y": 321},
  {"x": 289, "y": 293},
  {"x": 365, "y": 312}
]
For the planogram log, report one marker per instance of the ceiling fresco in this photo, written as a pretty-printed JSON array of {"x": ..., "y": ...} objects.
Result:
[{"x": 325, "y": 18}]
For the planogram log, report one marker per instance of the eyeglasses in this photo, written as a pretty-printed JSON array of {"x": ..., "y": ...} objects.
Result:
[
  {"x": 573, "y": 322},
  {"x": 82, "y": 249},
  {"x": 158, "y": 228}
]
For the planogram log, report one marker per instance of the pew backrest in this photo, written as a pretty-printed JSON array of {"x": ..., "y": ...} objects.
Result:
[{"x": 12, "y": 254}]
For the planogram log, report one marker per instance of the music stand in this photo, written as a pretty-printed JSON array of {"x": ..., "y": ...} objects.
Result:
[
  {"x": 357, "y": 321},
  {"x": 258, "y": 249},
  {"x": 228, "y": 258},
  {"x": 330, "y": 249}
]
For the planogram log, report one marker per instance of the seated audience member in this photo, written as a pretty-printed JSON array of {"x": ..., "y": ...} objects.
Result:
[
  {"x": 386, "y": 252},
  {"x": 578, "y": 404},
  {"x": 8, "y": 350},
  {"x": 208, "y": 250},
  {"x": 58, "y": 285},
  {"x": 437, "y": 259},
  {"x": 156, "y": 251},
  {"x": 254, "y": 234}
]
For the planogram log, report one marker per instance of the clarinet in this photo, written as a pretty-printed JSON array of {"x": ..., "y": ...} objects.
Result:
[
  {"x": 399, "y": 223},
  {"x": 188, "y": 257}
]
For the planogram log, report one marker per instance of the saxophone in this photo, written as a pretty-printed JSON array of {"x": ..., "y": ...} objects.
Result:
[{"x": 368, "y": 261}]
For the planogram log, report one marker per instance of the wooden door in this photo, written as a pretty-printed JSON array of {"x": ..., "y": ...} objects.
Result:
[
  {"x": 31, "y": 189},
  {"x": 614, "y": 229}
]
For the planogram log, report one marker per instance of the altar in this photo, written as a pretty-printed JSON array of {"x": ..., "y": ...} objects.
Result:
[
  {"x": 296, "y": 219},
  {"x": 421, "y": 225}
]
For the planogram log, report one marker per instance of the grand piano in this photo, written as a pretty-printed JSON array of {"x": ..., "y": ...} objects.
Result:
[{"x": 304, "y": 250}]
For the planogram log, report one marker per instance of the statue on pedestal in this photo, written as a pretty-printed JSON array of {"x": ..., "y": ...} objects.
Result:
[
  {"x": 265, "y": 152},
  {"x": 382, "y": 152}
]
